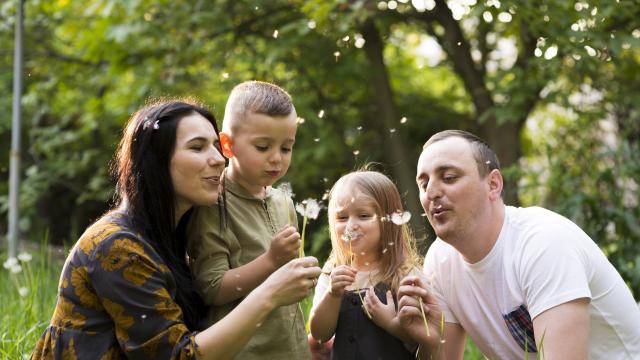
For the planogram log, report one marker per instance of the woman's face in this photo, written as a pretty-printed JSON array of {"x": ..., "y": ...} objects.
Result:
[{"x": 196, "y": 164}]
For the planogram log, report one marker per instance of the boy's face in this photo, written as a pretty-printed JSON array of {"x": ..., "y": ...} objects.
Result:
[{"x": 262, "y": 147}]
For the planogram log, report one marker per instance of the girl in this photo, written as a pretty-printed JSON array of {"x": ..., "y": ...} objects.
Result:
[
  {"x": 125, "y": 289},
  {"x": 355, "y": 295}
]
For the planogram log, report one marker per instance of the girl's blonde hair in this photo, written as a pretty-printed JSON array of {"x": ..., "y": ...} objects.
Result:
[{"x": 397, "y": 251}]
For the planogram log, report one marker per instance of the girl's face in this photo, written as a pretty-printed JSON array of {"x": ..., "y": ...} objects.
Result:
[
  {"x": 355, "y": 220},
  {"x": 196, "y": 164}
]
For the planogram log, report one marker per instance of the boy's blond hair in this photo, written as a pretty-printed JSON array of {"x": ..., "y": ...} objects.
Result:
[
  {"x": 398, "y": 256},
  {"x": 255, "y": 97}
]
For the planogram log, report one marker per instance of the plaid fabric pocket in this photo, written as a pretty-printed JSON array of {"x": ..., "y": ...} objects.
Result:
[{"x": 521, "y": 328}]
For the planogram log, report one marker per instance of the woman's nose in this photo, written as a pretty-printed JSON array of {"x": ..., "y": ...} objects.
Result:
[{"x": 215, "y": 158}]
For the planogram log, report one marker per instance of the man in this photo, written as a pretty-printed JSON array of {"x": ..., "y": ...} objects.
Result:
[{"x": 517, "y": 280}]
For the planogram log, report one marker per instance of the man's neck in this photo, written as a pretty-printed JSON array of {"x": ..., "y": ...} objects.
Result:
[{"x": 481, "y": 239}]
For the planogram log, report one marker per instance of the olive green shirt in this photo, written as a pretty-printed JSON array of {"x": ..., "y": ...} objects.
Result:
[{"x": 214, "y": 248}]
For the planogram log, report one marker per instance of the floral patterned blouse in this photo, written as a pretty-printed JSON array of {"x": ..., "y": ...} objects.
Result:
[{"x": 115, "y": 300}]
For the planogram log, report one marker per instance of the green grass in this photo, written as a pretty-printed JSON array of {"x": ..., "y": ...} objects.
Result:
[{"x": 24, "y": 317}]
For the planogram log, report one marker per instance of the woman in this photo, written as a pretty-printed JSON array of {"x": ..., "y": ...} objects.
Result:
[{"x": 125, "y": 289}]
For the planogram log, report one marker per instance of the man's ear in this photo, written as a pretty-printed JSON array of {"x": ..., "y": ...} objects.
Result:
[
  {"x": 495, "y": 183},
  {"x": 227, "y": 144}
]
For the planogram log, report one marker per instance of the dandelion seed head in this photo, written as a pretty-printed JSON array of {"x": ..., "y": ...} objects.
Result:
[
  {"x": 10, "y": 262},
  {"x": 400, "y": 217}
]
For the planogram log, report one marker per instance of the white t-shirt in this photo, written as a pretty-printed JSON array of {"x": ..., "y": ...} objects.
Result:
[{"x": 539, "y": 261}]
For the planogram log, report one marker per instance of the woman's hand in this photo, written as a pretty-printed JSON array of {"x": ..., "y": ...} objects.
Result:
[
  {"x": 341, "y": 277},
  {"x": 292, "y": 282}
]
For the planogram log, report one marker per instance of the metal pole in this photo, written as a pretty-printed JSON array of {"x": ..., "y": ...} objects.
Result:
[{"x": 14, "y": 171}]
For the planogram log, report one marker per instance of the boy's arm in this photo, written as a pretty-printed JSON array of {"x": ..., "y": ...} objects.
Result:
[{"x": 240, "y": 281}]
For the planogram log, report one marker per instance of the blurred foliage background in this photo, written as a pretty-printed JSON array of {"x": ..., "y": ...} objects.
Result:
[{"x": 554, "y": 87}]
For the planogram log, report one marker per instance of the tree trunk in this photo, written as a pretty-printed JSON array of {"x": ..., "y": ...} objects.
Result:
[{"x": 403, "y": 172}]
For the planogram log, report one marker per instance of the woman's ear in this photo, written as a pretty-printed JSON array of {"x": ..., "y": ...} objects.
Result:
[{"x": 227, "y": 144}]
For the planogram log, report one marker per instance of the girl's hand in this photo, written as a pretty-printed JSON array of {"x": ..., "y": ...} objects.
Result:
[
  {"x": 381, "y": 314},
  {"x": 341, "y": 277}
]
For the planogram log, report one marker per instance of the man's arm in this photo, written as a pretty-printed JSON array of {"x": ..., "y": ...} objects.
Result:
[{"x": 562, "y": 332}]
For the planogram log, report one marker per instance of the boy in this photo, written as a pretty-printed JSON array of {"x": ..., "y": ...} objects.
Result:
[{"x": 235, "y": 247}]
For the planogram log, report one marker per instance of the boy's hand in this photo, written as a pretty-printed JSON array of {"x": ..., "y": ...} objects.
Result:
[
  {"x": 341, "y": 277},
  {"x": 284, "y": 245}
]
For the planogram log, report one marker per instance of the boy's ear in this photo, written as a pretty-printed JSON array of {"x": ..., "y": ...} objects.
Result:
[{"x": 226, "y": 144}]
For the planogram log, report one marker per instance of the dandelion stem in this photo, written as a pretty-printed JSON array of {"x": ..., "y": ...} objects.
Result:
[
  {"x": 304, "y": 226},
  {"x": 424, "y": 318}
]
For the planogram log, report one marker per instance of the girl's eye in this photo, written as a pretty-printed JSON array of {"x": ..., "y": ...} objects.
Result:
[{"x": 262, "y": 148}]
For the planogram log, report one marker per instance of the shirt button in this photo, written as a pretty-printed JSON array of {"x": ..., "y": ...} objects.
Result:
[{"x": 351, "y": 339}]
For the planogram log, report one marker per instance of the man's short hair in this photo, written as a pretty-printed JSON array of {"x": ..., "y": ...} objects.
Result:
[
  {"x": 486, "y": 158},
  {"x": 255, "y": 97}
]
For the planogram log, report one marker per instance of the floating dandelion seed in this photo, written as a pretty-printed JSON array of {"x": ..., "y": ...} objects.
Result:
[
  {"x": 311, "y": 24},
  {"x": 362, "y": 253},
  {"x": 300, "y": 120},
  {"x": 537, "y": 52},
  {"x": 359, "y": 128},
  {"x": 392, "y": 130},
  {"x": 337, "y": 55},
  {"x": 275, "y": 34},
  {"x": 551, "y": 52},
  {"x": 391, "y": 243},
  {"x": 356, "y": 152},
  {"x": 324, "y": 179},
  {"x": 238, "y": 288},
  {"x": 423, "y": 214},
  {"x": 487, "y": 16},
  {"x": 325, "y": 196},
  {"x": 316, "y": 139},
  {"x": 321, "y": 114},
  {"x": 366, "y": 263},
  {"x": 459, "y": 43},
  {"x": 143, "y": 316},
  {"x": 591, "y": 51},
  {"x": 385, "y": 250},
  {"x": 258, "y": 325},
  {"x": 346, "y": 38},
  {"x": 403, "y": 120},
  {"x": 225, "y": 75},
  {"x": 382, "y": 5},
  {"x": 400, "y": 218},
  {"x": 360, "y": 41},
  {"x": 546, "y": 18},
  {"x": 392, "y": 5},
  {"x": 488, "y": 162}
]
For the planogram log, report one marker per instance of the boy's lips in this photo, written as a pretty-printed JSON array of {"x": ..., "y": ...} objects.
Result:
[{"x": 273, "y": 173}]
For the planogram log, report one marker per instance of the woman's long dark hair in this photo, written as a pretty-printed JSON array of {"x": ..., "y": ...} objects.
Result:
[{"x": 145, "y": 191}]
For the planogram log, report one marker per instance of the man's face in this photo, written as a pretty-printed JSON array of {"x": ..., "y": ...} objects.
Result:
[{"x": 453, "y": 195}]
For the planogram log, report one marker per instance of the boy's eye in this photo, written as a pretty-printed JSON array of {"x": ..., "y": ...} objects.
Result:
[{"x": 286, "y": 150}]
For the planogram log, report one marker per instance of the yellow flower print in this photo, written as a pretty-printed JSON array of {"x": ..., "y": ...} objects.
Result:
[
  {"x": 137, "y": 272},
  {"x": 118, "y": 255},
  {"x": 112, "y": 354},
  {"x": 166, "y": 306},
  {"x": 64, "y": 316},
  {"x": 123, "y": 322},
  {"x": 87, "y": 297},
  {"x": 89, "y": 239},
  {"x": 69, "y": 352}
]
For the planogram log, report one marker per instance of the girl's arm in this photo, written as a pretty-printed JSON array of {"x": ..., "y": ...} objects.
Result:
[
  {"x": 287, "y": 285},
  {"x": 324, "y": 316}
]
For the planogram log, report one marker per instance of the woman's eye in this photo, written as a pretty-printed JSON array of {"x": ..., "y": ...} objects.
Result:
[{"x": 196, "y": 147}]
